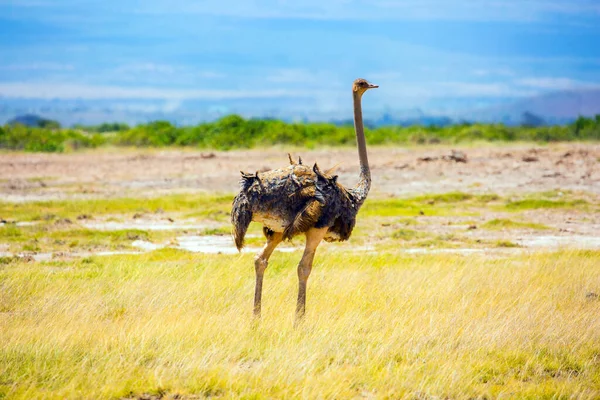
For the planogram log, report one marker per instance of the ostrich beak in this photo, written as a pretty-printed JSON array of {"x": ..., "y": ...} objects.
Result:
[{"x": 371, "y": 86}]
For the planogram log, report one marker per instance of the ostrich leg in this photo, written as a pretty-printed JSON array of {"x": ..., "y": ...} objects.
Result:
[
  {"x": 260, "y": 264},
  {"x": 313, "y": 238}
]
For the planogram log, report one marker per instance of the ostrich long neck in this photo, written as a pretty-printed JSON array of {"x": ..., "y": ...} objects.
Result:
[{"x": 361, "y": 190}]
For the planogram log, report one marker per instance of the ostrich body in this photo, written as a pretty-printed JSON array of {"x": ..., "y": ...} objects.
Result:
[{"x": 301, "y": 200}]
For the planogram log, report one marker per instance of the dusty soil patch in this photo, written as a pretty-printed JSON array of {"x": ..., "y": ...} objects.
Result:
[{"x": 399, "y": 171}]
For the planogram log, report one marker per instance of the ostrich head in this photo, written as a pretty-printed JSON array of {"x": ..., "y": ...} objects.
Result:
[{"x": 361, "y": 85}]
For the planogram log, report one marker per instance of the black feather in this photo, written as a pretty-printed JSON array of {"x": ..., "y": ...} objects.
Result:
[{"x": 241, "y": 216}]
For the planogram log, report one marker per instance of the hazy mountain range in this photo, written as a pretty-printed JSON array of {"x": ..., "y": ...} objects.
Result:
[{"x": 553, "y": 108}]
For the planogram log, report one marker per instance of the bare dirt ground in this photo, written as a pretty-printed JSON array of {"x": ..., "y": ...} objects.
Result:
[
  {"x": 504, "y": 169},
  {"x": 510, "y": 171}
]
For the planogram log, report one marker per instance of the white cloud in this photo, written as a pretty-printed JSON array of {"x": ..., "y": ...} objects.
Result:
[
  {"x": 33, "y": 90},
  {"x": 500, "y": 10},
  {"x": 291, "y": 75},
  {"x": 399, "y": 90},
  {"x": 146, "y": 67},
  {"x": 141, "y": 70},
  {"x": 38, "y": 66},
  {"x": 300, "y": 77},
  {"x": 506, "y": 72},
  {"x": 470, "y": 89},
  {"x": 556, "y": 83},
  {"x": 26, "y": 3}
]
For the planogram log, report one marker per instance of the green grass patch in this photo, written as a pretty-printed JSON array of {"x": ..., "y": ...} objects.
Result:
[
  {"x": 407, "y": 234},
  {"x": 534, "y": 204},
  {"x": 429, "y": 205},
  {"x": 406, "y": 221},
  {"x": 208, "y": 206},
  {"x": 457, "y": 197},
  {"x": 49, "y": 237},
  {"x": 506, "y": 244},
  {"x": 412, "y": 207},
  {"x": 447, "y": 241},
  {"x": 499, "y": 224},
  {"x": 219, "y": 231}
]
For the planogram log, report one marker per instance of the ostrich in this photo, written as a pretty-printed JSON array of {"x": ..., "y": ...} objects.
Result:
[{"x": 301, "y": 200}]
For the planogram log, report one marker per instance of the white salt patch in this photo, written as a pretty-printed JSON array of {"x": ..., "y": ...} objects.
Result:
[
  {"x": 42, "y": 256},
  {"x": 218, "y": 244},
  {"x": 438, "y": 251},
  {"x": 27, "y": 223},
  {"x": 106, "y": 253},
  {"x": 201, "y": 244},
  {"x": 207, "y": 244},
  {"x": 142, "y": 225},
  {"x": 577, "y": 241},
  {"x": 146, "y": 245}
]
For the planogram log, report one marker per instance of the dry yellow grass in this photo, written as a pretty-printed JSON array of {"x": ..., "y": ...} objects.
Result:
[{"x": 384, "y": 325}]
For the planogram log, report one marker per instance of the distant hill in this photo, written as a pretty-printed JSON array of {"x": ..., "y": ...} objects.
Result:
[
  {"x": 552, "y": 108},
  {"x": 34, "y": 121}
]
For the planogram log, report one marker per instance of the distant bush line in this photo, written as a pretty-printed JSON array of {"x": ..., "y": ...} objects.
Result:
[{"x": 235, "y": 132}]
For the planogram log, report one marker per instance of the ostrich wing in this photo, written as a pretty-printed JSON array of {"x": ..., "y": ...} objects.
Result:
[{"x": 305, "y": 219}]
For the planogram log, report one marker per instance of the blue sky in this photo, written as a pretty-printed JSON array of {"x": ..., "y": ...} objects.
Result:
[{"x": 432, "y": 54}]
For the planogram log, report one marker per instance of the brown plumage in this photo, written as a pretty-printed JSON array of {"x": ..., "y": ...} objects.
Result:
[{"x": 297, "y": 200}]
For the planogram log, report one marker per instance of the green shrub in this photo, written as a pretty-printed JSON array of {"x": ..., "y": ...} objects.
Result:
[
  {"x": 20, "y": 137},
  {"x": 234, "y": 131}
]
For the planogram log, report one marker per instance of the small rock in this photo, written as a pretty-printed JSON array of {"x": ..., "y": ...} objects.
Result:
[
  {"x": 63, "y": 221},
  {"x": 458, "y": 156},
  {"x": 471, "y": 227},
  {"x": 403, "y": 166},
  {"x": 421, "y": 212},
  {"x": 530, "y": 159},
  {"x": 59, "y": 254},
  {"x": 591, "y": 296},
  {"x": 134, "y": 236},
  {"x": 170, "y": 219},
  {"x": 138, "y": 215},
  {"x": 551, "y": 175},
  {"x": 207, "y": 155},
  {"x": 427, "y": 159},
  {"x": 81, "y": 217}
]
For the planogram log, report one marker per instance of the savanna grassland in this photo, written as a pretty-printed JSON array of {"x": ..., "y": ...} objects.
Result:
[
  {"x": 380, "y": 325},
  {"x": 462, "y": 280}
]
